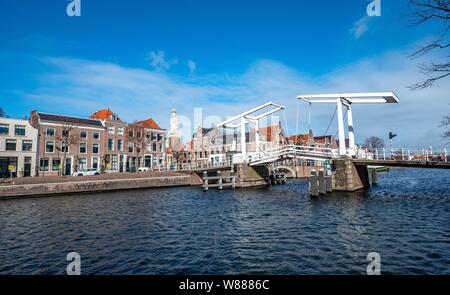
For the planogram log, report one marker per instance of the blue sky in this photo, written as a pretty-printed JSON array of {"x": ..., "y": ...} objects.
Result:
[{"x": 141, "y": 58}]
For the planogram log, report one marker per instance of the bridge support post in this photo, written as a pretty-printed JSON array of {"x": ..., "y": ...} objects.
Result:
[{"x": 350, "y": 177}]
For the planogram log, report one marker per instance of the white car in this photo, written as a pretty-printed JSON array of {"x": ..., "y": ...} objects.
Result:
[
  {"x": 143, "y": 169},
  {"x": 88, "y": 172}
]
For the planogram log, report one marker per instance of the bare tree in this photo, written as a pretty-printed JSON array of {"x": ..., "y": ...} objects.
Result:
[
  {"x": 446, "y": 125},
  {"x": 374, "y": 142},
  {"x": 68, "y": 139},
  {"x": 438, "y": 12}
]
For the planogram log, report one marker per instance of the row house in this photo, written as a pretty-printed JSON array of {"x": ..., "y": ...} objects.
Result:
[
  {"x": 153, "y": 144},
  {"x": 115, "y": 141},
  {"x": 129, "y": 146},
  {"x": 67, "y": 144},
  {"x": 18, "y": 147}
]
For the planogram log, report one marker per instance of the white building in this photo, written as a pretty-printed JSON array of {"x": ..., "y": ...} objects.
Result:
[{"x": 18, "y": 144}]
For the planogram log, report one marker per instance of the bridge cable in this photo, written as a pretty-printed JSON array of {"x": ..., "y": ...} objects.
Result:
[
  {"x": 296, "y": 122},
  {"x": 345, "y": 117},
  {"x": 331, "y": 121},
  {"x": 285, "y": 123},
  {"x": 309, "y": 117}
]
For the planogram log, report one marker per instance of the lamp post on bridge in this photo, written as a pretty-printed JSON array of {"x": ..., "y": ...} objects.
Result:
[{"x": 391, "y": 137}]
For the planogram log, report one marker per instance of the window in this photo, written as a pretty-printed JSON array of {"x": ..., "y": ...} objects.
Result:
[
  {"x": 43, "y": 164},
  {"x": 154, "y": 137},
  {"x": 11, "y": 144},
  {"x": 130, "y": 147},
  {"x": 83, "y": 134},
  {"x": 148, "y": 135},
  {"x": 120, "y": 145},
  {"x": 50, "y": 132},
  {"x": 96, "y": 135},
  {"x": 138, "y": 134},
  {"x": 114, "y": 162},
  {"x": 110, "y": 144},
  {"x": 95, "y": 163},
  {"x": 120, "y": 130},
  {"x": 138, "y": 150},
  {"x": 160, "y": 147},
  {"x": 83, "y": 148},
  {"x": 56, "y": 164},
  {"x": 111, "y": 129},
  {"x": 82, "y": 164},
  {"x": 130, "y": 133},
  {"x": 154, "y": 147},
  {"x": 4, "y": 129},
  {"x": 49, "y": 146},
  {"x": 63, "y": 148},
  {"x": 27, "y": 145},
  {"x": 19, "y": 130},
  {"x": 65, "y": 133},
  {"x": 160, "y": 137},
  {"x": 95, "y": 148}
]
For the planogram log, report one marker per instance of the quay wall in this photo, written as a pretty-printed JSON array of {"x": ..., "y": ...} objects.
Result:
[{"x": 90, "y": 186}]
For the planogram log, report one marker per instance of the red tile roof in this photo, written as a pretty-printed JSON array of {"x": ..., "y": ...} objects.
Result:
[
  {"x": 149, "y": 123},
  {"x": 102, "y": 115}
]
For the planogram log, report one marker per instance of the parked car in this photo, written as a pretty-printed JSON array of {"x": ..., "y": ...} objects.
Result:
[
  {"x": 88, "y": 172},
  {"x": 143, "y": 169}
]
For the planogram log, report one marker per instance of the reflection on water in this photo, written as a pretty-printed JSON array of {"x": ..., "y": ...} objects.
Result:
[{"x": 279, "y": 230}]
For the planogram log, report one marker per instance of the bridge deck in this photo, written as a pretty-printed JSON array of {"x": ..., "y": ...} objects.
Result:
[{"x": 401, "y": 163}]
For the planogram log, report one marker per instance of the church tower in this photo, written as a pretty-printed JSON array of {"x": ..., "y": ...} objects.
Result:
[{"x": 174, "y": 134}]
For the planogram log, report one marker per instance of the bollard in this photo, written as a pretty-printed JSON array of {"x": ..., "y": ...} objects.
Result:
[
  {"x": 205, "y": 181},
  {"x": 219, "y": 174},
  {"x": 322, "y": 187},
  {"x": 329, "y": 184},
  {"x": 374, "y": 177},
  {"x": 313, "y": 188}
]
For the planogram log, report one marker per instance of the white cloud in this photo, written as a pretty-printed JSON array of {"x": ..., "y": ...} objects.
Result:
[
  {"x": 158, "y": 60},
  {"x": 360, "y": 27},
  {"x": 192, "y": 67},
  {"x": 79, "y": 87}
]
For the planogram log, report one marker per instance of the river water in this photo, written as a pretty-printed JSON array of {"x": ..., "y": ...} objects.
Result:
[{"x": 277, "y": 230}]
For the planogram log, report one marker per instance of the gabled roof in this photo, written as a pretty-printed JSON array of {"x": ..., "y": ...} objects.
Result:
[
  {"x": 102, "y": 115},
  {"x": 149, "y": 123},
  {"x": 69, "y": 120}
]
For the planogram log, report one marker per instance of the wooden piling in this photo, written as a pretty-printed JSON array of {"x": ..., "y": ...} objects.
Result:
[
  {"x": 329, "y": 183},
  {"x": 322, "y": 187},
  {"x": 219, "y": 174},
  {"x": 374, "y": 177},
  {"x": 205, "y": 181},
  {"x": 313, "y": 187}
]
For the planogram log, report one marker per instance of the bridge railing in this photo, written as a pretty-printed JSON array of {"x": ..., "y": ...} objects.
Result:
[
  {"x": 200, "y": 166},
  {"x": 405, "y": 154},
  {"x": 275, "y": 154}
]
